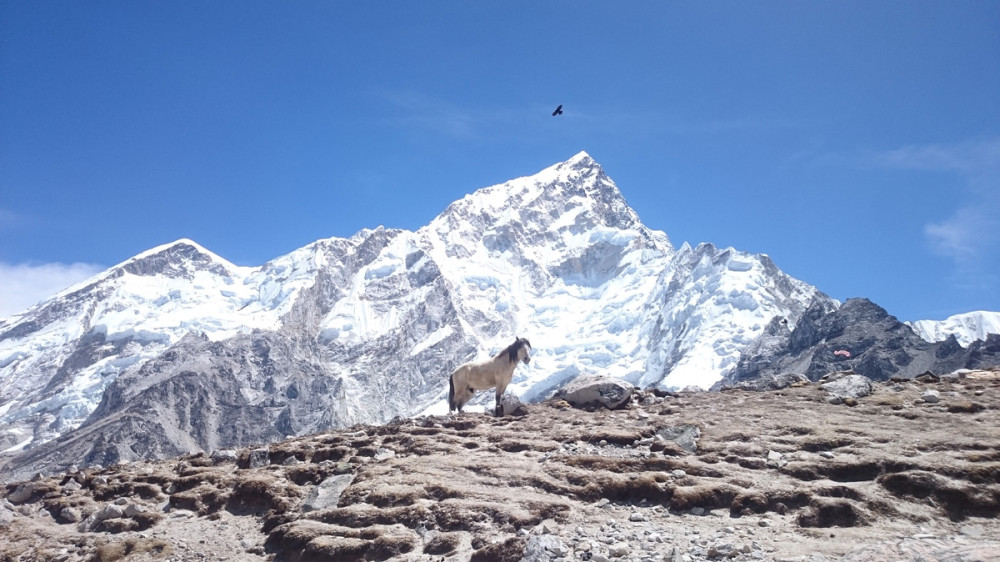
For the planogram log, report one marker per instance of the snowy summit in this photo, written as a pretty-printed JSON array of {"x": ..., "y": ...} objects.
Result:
[{"x": 367, "y": 328}]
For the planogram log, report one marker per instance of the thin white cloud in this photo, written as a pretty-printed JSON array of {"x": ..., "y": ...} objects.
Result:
[
  {"x": 973, "y": 159},
  {"x": 970, "y": 235},
  {"x": 23, "y": 285},
  {"x": 430, "y": 113}
]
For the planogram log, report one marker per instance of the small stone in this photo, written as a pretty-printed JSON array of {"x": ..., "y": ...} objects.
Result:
[
  {"x": 618, "y": 550},
  {"x": 110, "y": 511},
  {"x": 636, "y": 517},
  {"x": 224, "y": 456},
  {"x": 548, "y": 526},
  {"x": 291, "y": 461},
  {"x": 931, "y": 396},
  {"x": 259, "y": 458},
  {"x": 133, "y": 510},
  {"x": 763, "y": 523},
  {"x": 384, "y": 454},
  {"x": 971, "y": 531},
  {"x": 826, "y": 454},
  {"x": 698, "y": 511},
  {"x": 21, "y": 494},
  {"x": 121, "y": 501},
  {"x": 678, "y": 473},
  {"x": 70, "y": 515}
]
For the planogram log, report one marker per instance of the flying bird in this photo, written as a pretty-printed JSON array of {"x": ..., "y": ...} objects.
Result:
[{"x": 558, "y": 111}]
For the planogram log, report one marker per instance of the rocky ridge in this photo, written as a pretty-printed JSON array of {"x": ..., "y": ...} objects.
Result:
[
  {"x": 859, "y": 336},
  {"x": 911, "y": 471}
]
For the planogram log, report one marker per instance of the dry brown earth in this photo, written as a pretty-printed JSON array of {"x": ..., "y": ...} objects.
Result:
[{"x": 781, "y": 475}]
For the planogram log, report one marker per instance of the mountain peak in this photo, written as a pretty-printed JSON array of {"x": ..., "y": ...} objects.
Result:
[
  {"x": 568, "y": 199},
  {"x": 177, "y": 259},
  {"x": 581, "y": 159}
]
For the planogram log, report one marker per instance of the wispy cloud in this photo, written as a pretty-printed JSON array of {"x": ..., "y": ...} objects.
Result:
[
  {"x": 970, "y": 236},
  {"x": 23, "y": 285},
  {"x": 974, "y": 159},
  {"x": 524, "y": 121},
  {"x": 430, "y": 113}
]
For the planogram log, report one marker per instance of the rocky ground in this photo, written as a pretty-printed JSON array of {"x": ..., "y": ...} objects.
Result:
[{"x": 908, "y": 472}]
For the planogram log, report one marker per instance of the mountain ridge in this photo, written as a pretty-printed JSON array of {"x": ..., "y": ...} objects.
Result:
[{"x": 367, "y": 328}]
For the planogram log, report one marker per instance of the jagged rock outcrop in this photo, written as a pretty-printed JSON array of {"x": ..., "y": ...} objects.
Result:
[{"x": 859, "y": 336}]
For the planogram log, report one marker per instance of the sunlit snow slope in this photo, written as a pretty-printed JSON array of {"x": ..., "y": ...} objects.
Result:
[
  {"x": 966, "y": 328},
  {"x": 366, "y": 328}
]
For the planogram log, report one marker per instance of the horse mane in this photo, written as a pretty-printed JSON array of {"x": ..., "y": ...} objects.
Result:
[{"x": 513, "y": 348}]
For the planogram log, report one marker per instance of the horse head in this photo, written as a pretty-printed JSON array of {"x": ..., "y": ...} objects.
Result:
[{"x": 520, "y": 351}]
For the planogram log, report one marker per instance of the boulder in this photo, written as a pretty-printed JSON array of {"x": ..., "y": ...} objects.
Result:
[
  {"x": 596, "y": 391},
  {"x": 22, "y": 494},
  {"x": 110, "y": 511},
  {"x": 328, "y": 493},
  {"x": 224, "y": 456},
  {"x": 931, "y": 396},
  {"x": 847, "y": 385},
  {"x": 511, "y": 405},
  {"x": 771, "y": 382},
  {"x": 685, "y": 436},
  {"x": 70, "y": 515},
  {"x": 259, "y": 458}
]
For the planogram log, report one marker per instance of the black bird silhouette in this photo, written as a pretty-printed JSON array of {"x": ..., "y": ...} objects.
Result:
[{"x": 558, "y": 111}]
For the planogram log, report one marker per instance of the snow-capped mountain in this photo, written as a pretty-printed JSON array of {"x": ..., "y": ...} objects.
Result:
[
  {"x": 967, "y": 328},
  {"x": 177, "y": 349}
]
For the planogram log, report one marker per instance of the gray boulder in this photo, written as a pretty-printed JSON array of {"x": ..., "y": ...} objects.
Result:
[
  {"x": 542, "y": 548},
  {"x": 22, "y": 494},
  {"x": 327, "y": 494},
  {"x": 511, "y": 405},
  {"x": 70, "y": 515},
  {"x": 685, "y": 436},
  {"x": 596, "y": 391},
  {"x": 847, "y": 385},
  {"x": 769, "y": 381}
]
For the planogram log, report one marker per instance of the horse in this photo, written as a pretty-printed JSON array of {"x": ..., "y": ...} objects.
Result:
[{"x": 486, "y": 374}]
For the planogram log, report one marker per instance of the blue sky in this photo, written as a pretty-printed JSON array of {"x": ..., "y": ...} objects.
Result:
[{"x": 856, "y": 143}]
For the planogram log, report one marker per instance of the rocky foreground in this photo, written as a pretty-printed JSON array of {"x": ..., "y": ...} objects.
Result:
[{"x": 910, "y": 471}]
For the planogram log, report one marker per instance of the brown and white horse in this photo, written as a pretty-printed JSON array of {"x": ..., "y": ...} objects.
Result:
[{"x": 483, "y": 375}]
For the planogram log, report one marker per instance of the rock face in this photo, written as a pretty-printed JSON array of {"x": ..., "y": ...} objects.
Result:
[
  {"x": 178, "y": 350},
  {"x": 695, "y": 476},
  {"x": 858, "y": 336}
]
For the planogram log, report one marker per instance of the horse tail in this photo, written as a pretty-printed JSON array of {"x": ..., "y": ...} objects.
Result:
[{"x": 451, "y": 393}]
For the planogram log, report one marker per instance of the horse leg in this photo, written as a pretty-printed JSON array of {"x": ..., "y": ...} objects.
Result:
[
  {"x": 463, "y": 397},
  {"x": 451, "y": 394},
  {"x": 498, "y": 410}
]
